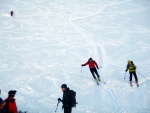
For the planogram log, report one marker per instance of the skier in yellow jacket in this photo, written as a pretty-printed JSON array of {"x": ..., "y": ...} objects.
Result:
[{"x": 132, "y": 71}]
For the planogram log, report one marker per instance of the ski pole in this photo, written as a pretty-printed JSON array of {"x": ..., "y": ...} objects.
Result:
[
  {"x": 57, "y": 106},
  {"x": 125, "y": 76},
  {"x": 142, "y": 76},
  {"x": 98, "y": 73},
  {"x": 81, "y": 71}
]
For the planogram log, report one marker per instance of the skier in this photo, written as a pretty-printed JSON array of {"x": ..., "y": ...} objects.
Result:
[
  {"x": 1, "y": 100},
  {"x": 9, "y": 104},
  {"x": 11, "y": 13},
  {"x": 92, "y": 66},
  {"x": 132, "y": 71},
  {"x": 66, "y": 99}
]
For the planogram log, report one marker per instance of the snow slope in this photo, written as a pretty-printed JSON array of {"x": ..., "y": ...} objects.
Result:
[{"x": 46, "y": 42}]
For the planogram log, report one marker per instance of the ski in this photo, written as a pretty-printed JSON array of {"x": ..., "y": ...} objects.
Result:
[
  {"x": 102, "y": 81},
  {"x": 136, "y": 85},
  {"x": 97, "y": 82}
]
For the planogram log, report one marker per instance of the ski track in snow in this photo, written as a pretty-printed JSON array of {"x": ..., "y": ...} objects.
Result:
[
  {"x": 102, "y": 54},
  {"x": 97, "y": 92}
]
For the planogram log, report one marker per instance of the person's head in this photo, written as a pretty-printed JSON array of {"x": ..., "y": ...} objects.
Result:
[
  {"x": 129, "y": 62},
  {"x": 63, "y": 87},
  {"x": 12, "y": 93},
  {"x": 90, "y": 59}
]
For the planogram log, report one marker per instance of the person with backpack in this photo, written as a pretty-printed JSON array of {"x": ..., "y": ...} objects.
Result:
[
  {"x": 9, "y": 104},
  {"x": 132, "y": 71},
  {"x": 92, "y": 66},
  {"x": 68, "y": 99}
]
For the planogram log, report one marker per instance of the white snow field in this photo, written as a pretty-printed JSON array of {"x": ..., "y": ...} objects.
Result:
[{"x": 46, "y": 42}]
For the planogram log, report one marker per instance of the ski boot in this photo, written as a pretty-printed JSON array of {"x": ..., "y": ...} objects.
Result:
[
  {"x": 137, "y": 84},
  {"x": 96, "y": 80},
  {"x": 130, "y": 83},
  {"x": 99, "y": 79}
]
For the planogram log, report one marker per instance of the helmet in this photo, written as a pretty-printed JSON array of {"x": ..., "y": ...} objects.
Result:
[{"x": 129, "y": 61}]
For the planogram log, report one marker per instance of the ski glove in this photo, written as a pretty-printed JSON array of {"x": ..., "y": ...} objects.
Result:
[
  {"x": 59, "y": 99},
  {"x": 82, "y": 65},
  {"x": 97, "y": 67},
  {"x": 126, "y": 70}
]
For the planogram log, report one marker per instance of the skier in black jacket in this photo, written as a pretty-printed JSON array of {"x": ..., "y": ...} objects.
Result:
[
  {"x": 66, "y": 99},
  {"x": 11, "y": 13},
  {"x": 1, "y": 100}
]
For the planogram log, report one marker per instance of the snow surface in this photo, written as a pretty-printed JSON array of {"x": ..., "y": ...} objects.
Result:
[{"x": 46, "y": 42}]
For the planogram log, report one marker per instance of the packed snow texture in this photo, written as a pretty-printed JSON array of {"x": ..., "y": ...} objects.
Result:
[{"x": 45, "y": 43}]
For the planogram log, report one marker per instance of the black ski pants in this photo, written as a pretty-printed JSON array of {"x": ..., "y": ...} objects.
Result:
[
  {"x": 135, "y": 76},
  {"x": 94, "y": 71},
  {"x": 67, "y": 109}
]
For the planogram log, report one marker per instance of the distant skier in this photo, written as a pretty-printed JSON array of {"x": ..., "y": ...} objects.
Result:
[
  {"x": 11, "y": 13},
  {"x": 132, "y": 71},
  {"x": 1, "y": 100},
  {"x": 92, "y": 66},
  {"x": 9, "y": 104},
  {"x": 68, "y": 99}
]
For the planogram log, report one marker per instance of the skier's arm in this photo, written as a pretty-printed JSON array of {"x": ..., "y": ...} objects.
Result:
[
  {"x": 96, "y": 65},
  {"x": 2, "y": 105},
  {"x": 127, "y": 68},
  {"x": 85, "y": 63},
  {"x": 59, "y": 99}
]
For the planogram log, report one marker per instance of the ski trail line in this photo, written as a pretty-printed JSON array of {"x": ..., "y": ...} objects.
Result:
[
  {"x": 113, "y": 99},
  {"x": 80, "y": 29},
  {"x": 100, "y": 52},
  {"x": 97, "y": 99}
]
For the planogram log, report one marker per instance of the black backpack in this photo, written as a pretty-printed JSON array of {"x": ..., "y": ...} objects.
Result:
[
  {"x": 133, "y": 64},
  {"x": 1, "y": 100},
  {"x": 4, "y": 109},
  {"x": 72, "y": 98}
]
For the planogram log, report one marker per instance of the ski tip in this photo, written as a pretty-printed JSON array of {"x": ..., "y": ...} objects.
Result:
[{"x": 104, "y": 82}]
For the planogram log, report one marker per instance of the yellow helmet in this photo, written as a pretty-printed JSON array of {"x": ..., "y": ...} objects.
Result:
[{"x": 129, "y": 61}]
